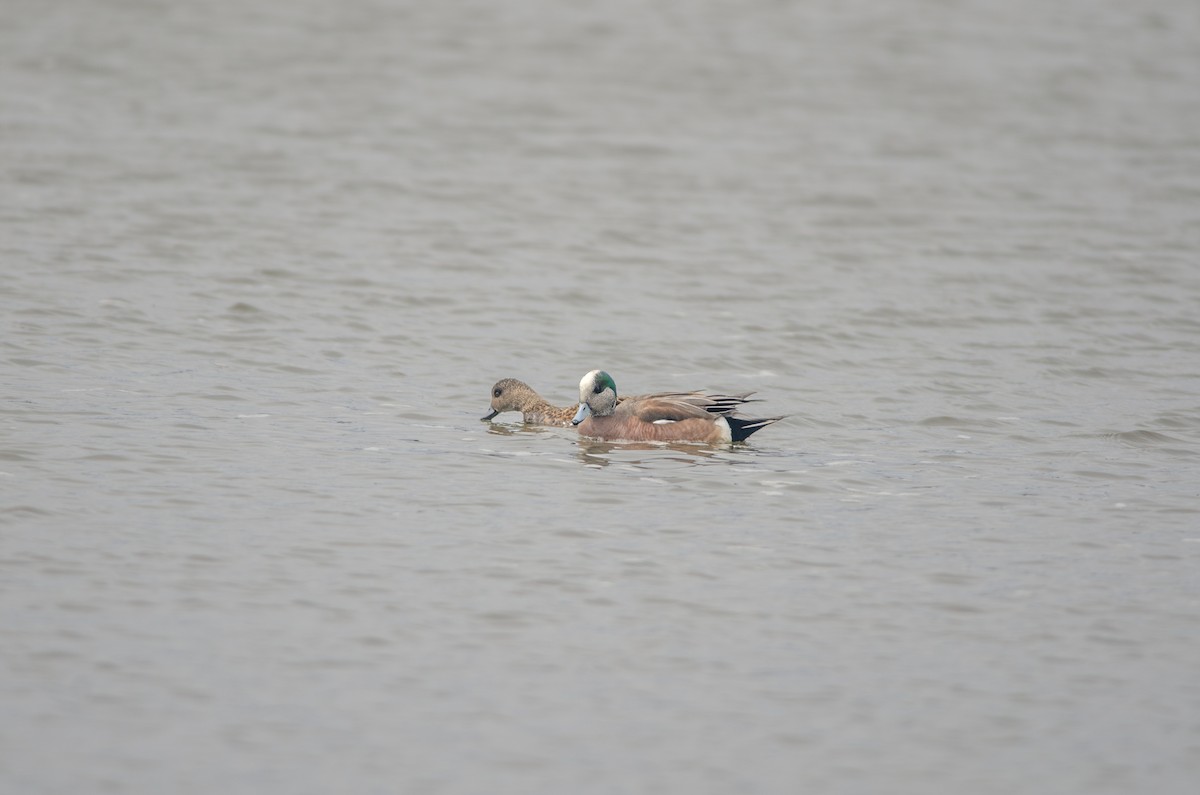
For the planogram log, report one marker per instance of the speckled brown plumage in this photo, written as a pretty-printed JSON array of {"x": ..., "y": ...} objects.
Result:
[{"x": 509, "y": 394}]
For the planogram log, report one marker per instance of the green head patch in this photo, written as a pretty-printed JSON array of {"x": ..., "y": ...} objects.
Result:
[{"x": 604, "y": 381}]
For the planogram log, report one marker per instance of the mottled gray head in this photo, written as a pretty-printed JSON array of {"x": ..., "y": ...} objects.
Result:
[{"x": 509, "y": 394}]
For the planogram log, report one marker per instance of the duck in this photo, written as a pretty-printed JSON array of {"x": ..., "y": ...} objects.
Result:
[
  {"x": 660, "y": 417},
  {"x": 509, "y": 394}
]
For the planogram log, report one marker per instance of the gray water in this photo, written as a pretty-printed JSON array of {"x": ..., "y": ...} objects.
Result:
[{"x": 263, "y": 261}]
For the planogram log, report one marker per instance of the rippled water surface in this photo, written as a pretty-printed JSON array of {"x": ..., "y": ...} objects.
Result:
[{"x": 263, "y": 261}]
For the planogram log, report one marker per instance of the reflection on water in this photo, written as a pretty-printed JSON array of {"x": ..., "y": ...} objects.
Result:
[
  {"x": 598, "y": 453},
  {"x": 516, "y": 429}
]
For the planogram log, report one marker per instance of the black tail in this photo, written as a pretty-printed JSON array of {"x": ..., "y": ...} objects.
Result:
[{"x": 741, "y": 429}]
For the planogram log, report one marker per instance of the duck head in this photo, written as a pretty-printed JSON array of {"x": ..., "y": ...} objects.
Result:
[{"x": 597, "y": 396}]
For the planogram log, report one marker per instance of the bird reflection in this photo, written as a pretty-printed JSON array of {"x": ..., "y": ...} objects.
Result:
[
  {"x": 501, "y": 429},
  {"x": 594, "y": 452},
  {"x": 597, "y": 453}
]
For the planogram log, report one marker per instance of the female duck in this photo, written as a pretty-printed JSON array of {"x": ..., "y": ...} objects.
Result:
[{"x": 509, "y": 394}]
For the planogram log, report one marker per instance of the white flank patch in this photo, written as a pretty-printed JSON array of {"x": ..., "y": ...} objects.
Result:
[{"x": 726, "y": 434}]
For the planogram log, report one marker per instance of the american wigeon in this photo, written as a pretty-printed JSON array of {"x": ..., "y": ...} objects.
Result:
[
  {"x": 509, "y": 394},
  {"x": 663, "y": 417}
]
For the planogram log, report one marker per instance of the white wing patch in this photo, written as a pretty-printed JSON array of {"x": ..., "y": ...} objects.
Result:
[{"x": 664, "y": 422}]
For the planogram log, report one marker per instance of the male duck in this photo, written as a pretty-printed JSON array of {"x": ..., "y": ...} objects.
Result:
[
  {"x": 509, "y": 394},
  {"x": 662, "y": 417}
]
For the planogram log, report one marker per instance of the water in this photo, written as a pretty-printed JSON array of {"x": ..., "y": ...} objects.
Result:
[{"x": 262, "y": 263}]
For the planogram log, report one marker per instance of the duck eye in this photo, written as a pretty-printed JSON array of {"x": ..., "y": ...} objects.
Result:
[
  {"x": 597, "y": 389},
  {"x": 496, "y": 392}
]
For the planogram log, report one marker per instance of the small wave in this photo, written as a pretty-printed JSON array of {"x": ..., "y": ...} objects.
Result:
[
  {"x": 943, "y": 421},
  {"x": 1144, "y": 438}
]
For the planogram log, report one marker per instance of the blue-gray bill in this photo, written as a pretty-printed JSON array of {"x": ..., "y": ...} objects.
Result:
[{"x": 582, "y": 414}]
